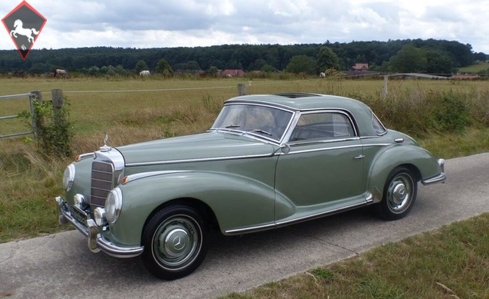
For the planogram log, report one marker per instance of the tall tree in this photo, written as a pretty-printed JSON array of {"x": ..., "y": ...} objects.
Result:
[
  {"x": 192, "y": 65},
  {"x": 408, "y": 60},
  {"x": 141, "y": 66},
  {"x": 438, "y": 62},
  {"x": 163, "y": 67},
  {"x": 327, "y": 59},
  {"x": 302, "y": 64}
]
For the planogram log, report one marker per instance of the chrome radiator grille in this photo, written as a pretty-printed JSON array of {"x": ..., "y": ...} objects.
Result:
[{"x": 102, "y": 182}]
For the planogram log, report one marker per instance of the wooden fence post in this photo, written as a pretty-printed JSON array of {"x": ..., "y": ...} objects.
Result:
[
  {"x": 384, "y": 87},
  {"x": 241, "y": 89},
  {"x": 58, "y": 99},
  {"x": 37, "y": 120}
]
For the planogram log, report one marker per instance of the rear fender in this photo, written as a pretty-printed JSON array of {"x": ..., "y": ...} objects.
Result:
[{"x": 414, "y": 157}]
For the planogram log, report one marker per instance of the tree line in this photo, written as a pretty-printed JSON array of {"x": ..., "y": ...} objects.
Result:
[{"x": 429, "y": 56}]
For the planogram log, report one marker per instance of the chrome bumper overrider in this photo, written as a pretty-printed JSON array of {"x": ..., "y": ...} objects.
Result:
[
  {"x": 440, "y": 178},
  {"x": 96, "y": 241}
]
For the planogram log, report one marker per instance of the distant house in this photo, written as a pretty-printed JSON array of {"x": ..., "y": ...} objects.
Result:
[
  {"x": 233, "y": 73},
  {"x": 360, "y": 67}
]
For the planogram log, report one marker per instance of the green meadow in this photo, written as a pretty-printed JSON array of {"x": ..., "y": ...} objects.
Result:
[{"x": 448, "y": 118}]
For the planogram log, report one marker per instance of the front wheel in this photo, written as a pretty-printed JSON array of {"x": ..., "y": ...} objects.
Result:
[
  {"x": 175, "y": 242},
  {"x": 399, "y": 194}
]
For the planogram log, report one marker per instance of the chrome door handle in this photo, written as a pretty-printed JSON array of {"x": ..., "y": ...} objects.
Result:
[{"x": 359, "y": 157}]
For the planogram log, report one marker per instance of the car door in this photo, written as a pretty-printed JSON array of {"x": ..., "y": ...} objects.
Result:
[{"x": 323, "y": 163}]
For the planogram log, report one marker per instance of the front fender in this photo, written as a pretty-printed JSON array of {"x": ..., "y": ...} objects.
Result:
[
  {"x": 397, "y": 155},
  {"x": 236, "y": 201}
]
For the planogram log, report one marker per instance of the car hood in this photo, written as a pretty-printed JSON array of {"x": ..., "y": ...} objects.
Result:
[{"x": 210, "y": 145}]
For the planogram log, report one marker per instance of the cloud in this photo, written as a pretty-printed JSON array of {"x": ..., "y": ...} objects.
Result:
[{"x": 172, "y": 23}]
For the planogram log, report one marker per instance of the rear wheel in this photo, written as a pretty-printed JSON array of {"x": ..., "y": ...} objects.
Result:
[
  {"x": 175, "y": 242},
  {"x": 399, "y": 194}
]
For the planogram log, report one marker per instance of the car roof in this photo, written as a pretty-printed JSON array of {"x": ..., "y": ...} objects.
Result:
[
  {"x": 304, "y": 101},
  {"x": 310, "y": 102}
]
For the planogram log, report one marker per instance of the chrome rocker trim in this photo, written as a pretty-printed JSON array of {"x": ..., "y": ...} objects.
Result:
[{"x": 96, "y": 241}]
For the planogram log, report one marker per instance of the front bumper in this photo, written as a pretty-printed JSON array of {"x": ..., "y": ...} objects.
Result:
[{"x": 96, "y": 241}]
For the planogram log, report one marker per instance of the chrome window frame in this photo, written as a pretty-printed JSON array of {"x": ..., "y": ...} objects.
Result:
[
  {"x": 321, "y": 141},
  {"x": 257, "y": 135}
]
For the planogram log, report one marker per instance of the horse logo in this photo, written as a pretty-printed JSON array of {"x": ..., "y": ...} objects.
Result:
[
  {"x": 19, "y": 29},
  {"x": 24, "y": 25}
]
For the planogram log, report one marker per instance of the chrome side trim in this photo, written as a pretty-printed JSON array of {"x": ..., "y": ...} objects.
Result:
[
  {"x": 335, "y": 147},
  {"x": 292, "y": 221},
  {"x": 198, "y": 160},
  {"x": 250, "y": 229},
  {"x": 134, "y": 177},
  {"x": 292, "y": 152},
  {"x": 369, "y": 198},
  {"x": 318, "y": 215},
  {"x": 376, "y": 144}
]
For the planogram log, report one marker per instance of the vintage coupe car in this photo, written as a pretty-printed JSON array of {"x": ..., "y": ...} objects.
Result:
[{"x": 268, "y": 161}]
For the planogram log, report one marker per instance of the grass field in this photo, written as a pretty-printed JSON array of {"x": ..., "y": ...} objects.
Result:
[
  {"x": 100, "y": 105},
  {"x": 475, "y": 68},
  {"x": 132, "y": 110}
]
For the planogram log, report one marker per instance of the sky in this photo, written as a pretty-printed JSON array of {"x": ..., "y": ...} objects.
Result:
[{"x": 193, "y": 23}]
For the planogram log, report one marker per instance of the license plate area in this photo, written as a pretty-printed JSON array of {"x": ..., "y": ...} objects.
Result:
[{"x": 79, "y": 216}]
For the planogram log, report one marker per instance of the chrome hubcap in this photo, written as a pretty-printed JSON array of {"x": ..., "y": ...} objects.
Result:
[
  {"x": 177, "y": 242},
  {"x": 399, "y": 193},
  {"x": 173, "y": 242}
]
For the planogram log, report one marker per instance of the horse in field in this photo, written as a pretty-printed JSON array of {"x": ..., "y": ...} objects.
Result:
[
  {"x": 19, "y": 29},
  {"x": 144, "y": 73},
  {"x": 60, "y": 73}
]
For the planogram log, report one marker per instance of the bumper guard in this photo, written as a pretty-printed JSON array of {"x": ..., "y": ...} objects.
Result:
[{"x": 96, "y": 242}]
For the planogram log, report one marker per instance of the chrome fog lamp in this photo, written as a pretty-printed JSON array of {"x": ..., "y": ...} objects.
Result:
[
  {"x": 99, "y": 216},
  {"x": 79, "y": 201},
  {"x": 113, "y": 205},
  {"x": 69, "y": 177}
]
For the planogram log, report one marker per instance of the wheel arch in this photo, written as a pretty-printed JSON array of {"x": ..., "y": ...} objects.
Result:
[
  {"x": 201, "y": 207},
  {"x": 416, "y": 159},
  {"x": 227, "y": 201}
]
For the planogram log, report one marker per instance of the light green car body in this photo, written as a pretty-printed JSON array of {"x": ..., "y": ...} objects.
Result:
[{"x": 244, "y": 183}]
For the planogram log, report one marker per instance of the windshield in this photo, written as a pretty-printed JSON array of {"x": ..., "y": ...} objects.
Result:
[{"x": 260, "y": 120}]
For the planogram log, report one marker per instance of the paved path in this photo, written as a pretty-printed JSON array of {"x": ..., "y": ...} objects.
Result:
[{"x": 61, "y": 266}]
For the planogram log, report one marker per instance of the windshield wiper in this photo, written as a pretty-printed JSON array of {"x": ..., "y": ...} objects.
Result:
[
  {"x": 262, "y": 131},
  {"x": 232, "y": 126}
]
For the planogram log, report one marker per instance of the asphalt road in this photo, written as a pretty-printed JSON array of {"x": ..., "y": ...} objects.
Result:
[{"x": 61, "y": 266}]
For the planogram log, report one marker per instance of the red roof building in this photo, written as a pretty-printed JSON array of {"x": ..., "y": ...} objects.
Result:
[
  {"x": 360, "y": 67},
  {"x": 233, "y": 73}
]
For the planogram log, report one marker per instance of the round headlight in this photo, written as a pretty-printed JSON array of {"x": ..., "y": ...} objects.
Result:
[
  {"x": 113, "y": 205},
  {"x": 69, "y": 177},
  {"x": 99, "y": 216}
]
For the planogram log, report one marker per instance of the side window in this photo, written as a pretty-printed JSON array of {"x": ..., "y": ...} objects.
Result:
[
  {"x": 377, "y": 125},
  {"x": 322, "y": 126}
]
